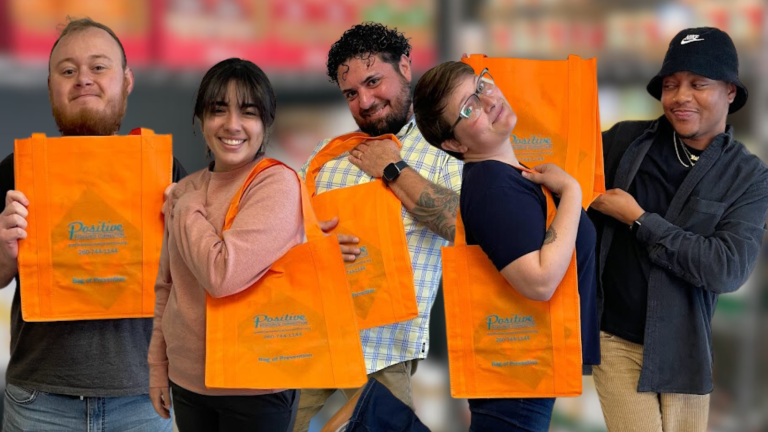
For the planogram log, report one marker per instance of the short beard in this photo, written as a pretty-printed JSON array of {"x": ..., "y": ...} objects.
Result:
[
  {"x": 687, "y": 137},
  {"x": 89, "y": 122},
  {"x": 392, "y": 123}
]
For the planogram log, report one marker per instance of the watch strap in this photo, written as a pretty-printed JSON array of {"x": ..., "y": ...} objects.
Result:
[{"x": 634, "y": 227}]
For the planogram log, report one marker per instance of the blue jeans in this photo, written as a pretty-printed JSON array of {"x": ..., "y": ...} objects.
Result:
[
  {"x": 517, "y": 415},
  {"x": 27, "y": 410},
  {"x": 378, "y": 410}
]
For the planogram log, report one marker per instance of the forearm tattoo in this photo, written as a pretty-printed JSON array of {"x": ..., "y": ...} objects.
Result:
[
  {"x": 550, "y": 236},
  {"x": 436, "y": 208}
]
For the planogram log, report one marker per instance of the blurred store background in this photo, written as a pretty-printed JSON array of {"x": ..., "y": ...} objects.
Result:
[{"x": 170, "y": 44}]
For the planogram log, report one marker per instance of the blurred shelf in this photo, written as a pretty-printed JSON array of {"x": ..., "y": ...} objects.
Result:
[
  {"x": 289, "y": 87},
  {"x": 555, "y": 7},
  {"x": 630, "y": 34}
]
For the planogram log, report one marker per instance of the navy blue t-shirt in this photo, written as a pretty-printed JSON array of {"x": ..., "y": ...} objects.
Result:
[{"x": 506, "y": 214}]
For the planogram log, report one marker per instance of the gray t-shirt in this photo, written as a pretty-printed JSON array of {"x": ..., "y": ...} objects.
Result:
[{"x": 99, "y": 358}]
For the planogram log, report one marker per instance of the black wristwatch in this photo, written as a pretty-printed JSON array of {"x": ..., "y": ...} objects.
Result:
[
  {"x": 393, "y": 170},
  {"x": 636, "y": 225}
]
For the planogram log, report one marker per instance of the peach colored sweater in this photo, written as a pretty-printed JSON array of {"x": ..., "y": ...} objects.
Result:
[{"x": 197, "y": 258}]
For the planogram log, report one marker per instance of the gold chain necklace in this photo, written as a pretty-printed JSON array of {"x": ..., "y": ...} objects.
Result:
[{"x": 692, "y": 159}]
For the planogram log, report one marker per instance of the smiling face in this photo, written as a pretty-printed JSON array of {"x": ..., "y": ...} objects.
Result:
[
  {"x": 87, "y": 85},
  {"x": 488, "y": 132},
  {"x": 696, "y": 106},
  {"x": 233, "y": 130},
  {"x": 378, "y": 95}
]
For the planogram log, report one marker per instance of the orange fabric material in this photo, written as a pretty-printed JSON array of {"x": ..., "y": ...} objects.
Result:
[
  {"x": 381, "y": 278},
  {"x": 558, "y": 118},
  {"x": 293, "y": 328},
  {"x": 501, "y": 344},
  {"x": 95, "y": 226}
]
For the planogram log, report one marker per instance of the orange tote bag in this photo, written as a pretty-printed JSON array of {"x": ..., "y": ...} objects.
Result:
[
  {"x": 501, "y": 344},
  {"x": 95, "y": 225},
  {"x": 295, "y": 327},
  {"x": 381, "y": 278},
  {"x": 558, "y": 117}
]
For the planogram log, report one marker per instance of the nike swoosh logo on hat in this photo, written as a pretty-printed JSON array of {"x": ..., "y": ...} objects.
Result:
[{"x": 690, "y": 38}]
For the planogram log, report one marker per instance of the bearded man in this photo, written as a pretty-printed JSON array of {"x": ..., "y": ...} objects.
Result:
[
  {"x": 371, "y": 65},
  {"x": 76, "y": 375}
]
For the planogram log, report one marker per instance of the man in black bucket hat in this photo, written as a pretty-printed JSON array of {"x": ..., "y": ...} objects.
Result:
[
  {"x": 705, "y": 51},
  {"x": 681, "y": 223}
]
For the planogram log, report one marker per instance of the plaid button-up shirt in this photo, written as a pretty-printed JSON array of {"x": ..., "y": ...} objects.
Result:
[{"x": 395, "y": 343}]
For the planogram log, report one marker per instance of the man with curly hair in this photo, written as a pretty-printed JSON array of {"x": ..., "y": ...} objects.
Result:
[{"x": 371, "y": 65}]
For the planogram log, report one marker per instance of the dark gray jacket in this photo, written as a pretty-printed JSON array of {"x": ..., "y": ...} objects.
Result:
[{"x": 707, "y": 244}]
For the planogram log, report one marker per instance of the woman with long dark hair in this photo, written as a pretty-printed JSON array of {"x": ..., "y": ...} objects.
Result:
[{"x": 235, "y": 108}]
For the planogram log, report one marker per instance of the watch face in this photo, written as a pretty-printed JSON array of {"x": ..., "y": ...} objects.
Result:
[{"x": 391, "y": 172}]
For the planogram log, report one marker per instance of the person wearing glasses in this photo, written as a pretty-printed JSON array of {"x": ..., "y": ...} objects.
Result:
[{"x": 504, "y": 212}]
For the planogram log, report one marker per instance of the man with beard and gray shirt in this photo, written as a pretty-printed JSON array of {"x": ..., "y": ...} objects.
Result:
[{"x": 76, "y": 375}]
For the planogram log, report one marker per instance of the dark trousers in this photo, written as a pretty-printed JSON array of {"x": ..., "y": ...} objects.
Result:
[
  {"x": 516, "y": 415},
  {"x": 378, "y": 410},
  {"x": 264, "y": 413}
]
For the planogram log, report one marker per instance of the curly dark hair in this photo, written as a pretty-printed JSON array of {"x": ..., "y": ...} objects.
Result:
[{"x": 365, "y": 40}]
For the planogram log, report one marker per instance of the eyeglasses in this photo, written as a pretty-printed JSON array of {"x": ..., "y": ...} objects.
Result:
[{"x": 472, "y": 107}]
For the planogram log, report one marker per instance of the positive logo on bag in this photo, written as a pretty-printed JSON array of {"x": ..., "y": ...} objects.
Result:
[
  {"x": 515, "y": 321},
  {"x": 532, "y": 148},
  {"x": 100, "y": 230},
  {"x": 532, "y": 142},
  {"x": 287, "y": 320}
]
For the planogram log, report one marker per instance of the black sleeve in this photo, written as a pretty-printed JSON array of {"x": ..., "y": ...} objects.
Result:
[
  {"x": 597, "y": 218},
  {"x": 178, "y": 171},
  {"x": 609, "y": 162},
  {"x": 504, "y": 214},
  {"x": 7, "y": 181},
  {"x": 608, "y": 137},
  {"x": 616, "y": 140}
]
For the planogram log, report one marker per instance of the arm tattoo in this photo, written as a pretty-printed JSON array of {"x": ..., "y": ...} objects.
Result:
[
  {"x": 436, "y": 208},
  {"x": 550, "y": 236}
]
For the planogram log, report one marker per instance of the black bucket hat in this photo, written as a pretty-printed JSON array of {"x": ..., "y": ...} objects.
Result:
[{"x": 705, "y": 51}]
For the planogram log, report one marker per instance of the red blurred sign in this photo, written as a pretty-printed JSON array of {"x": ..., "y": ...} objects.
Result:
[
  {"x": 34, "y": 25},
  {"x": 284, "y": 35},
  {"x": 278, "y": 35}
]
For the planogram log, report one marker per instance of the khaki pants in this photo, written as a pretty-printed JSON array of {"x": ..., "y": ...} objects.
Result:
[
  {"x": 627, "y": 410},
  {"x": 397, "y": 378}
]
